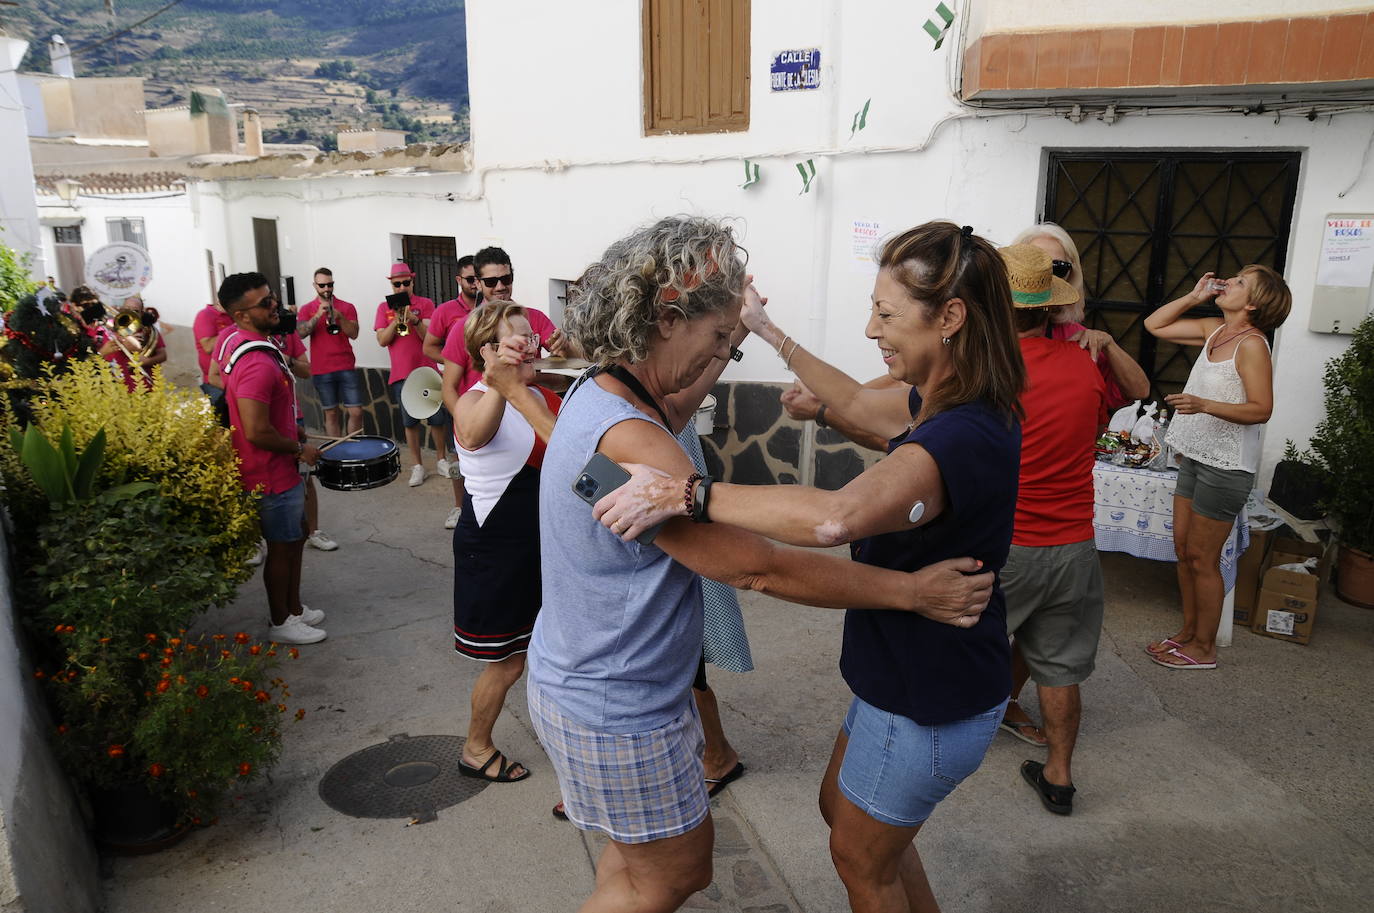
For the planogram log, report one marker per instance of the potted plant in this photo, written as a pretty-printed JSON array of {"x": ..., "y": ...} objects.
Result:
[
  {"x": 129, "y": 521},
  {"x": 1344, "y": 445}
]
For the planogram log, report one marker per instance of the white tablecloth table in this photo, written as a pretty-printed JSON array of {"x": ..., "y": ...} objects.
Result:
[{"x": 1133, "y": 512}]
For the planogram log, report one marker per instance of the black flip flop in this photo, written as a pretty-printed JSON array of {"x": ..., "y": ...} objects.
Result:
[
  {"x": 559, "y": 813},
  {"x": 502, "y": 770},
  {"x": 715, "y": 785},
  {"x": 1058, "y": 799}
]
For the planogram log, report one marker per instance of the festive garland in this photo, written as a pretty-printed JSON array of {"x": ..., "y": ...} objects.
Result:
[{"x": 27, "y": 342}]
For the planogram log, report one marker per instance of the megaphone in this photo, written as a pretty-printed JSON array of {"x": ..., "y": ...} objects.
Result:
[{"x": 422, "y": 394}]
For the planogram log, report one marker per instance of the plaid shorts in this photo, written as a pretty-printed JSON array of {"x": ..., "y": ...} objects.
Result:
[{"x": 634, "y": 787}]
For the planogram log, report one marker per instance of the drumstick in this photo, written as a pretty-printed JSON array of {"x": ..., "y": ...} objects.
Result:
[{"x": 340, "y": 440}]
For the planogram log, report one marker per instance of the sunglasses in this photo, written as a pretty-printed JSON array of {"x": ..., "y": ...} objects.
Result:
[
  {"x": 493, "y": 281},
  {"x": 324, "y": 285},
  {"x": 401, "y": 283},
  {"x": 470, "y": 280},
  {"x": 1061, "y": 268}
]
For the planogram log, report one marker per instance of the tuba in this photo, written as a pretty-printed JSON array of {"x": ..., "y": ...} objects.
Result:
[{"x": 135, "y": 331}]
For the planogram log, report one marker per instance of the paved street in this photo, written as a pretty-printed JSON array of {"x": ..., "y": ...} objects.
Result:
[{"x": 1243, "y": 789}]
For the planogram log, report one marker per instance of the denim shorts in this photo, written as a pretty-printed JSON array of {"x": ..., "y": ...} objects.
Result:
[
  {"x": 282, "y": 516},
  {"x": 337, "y": 387},
  {"x": 437, "y": 420},
  {"x": 1218, "y": 494},
  {"x": 897, "y": 770}
]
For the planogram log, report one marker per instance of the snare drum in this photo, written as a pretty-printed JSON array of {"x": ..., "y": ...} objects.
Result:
[{"x": 364, "y": 462}]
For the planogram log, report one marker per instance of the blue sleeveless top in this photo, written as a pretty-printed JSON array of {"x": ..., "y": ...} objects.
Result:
[{"x": 618, "y": 637}]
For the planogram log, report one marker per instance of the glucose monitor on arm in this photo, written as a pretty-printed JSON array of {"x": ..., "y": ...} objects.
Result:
[{"x": 918, "y": 510}]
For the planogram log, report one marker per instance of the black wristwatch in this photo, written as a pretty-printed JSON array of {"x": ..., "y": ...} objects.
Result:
[
  {"x": 820, "y": 416},
  {"x": 701, "y": 500},
  {"x": 736, "y": 354}
]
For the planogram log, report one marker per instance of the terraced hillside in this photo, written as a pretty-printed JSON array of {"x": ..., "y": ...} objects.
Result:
[{"x": 309, "y": 66}]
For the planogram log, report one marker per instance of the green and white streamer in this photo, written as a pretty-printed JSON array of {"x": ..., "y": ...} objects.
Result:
[
  {"x": 751, "y": 175},
  {"x": 938, "y": 32},
  {"x": 808, "y": 174},
  {"x": 860, "y": 119}
]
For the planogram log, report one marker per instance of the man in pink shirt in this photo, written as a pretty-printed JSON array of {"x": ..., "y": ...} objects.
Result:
[
  {"x": 406, "y": 351},
  {"x": 210, "y": 320},
  {"x": 262, "y": 414},
  {"x": 452, "y": 310},
  {"x": 331, "y": 325},
  {"x": 497, "y": 277}
]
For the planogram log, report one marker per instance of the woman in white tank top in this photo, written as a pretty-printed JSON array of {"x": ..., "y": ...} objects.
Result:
[{"x": 1216, "y": 429}]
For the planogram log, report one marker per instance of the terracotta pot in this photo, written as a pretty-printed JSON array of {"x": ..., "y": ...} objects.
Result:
[{"x": 1355, "y": 577}]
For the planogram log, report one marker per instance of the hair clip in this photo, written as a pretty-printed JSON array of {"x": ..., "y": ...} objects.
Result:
[{"x": 966, "y": 231}]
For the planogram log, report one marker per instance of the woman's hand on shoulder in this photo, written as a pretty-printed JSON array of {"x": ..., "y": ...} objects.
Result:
[
  {"x": 651, "y": 497},
  {"x": 953, "y": 592}
]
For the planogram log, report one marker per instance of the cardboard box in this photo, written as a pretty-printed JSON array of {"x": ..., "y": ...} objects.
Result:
[
  {"x": 1249, "y": 571},
  {"x": 1287, "y": 606}
]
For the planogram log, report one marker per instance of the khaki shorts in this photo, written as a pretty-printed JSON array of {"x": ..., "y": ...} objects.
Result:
[
  {"x": 1216, "y": 493},
  {"x": 1054, "y": 608}
]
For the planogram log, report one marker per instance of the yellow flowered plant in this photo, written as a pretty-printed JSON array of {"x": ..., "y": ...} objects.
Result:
[{"x": 166, "y": 435}]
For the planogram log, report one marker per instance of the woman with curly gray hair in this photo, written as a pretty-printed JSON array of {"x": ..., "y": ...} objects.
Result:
[{"x": 619, "y": 634}]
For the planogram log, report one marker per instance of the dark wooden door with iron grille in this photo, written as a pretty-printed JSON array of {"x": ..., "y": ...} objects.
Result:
[
  {"x": 435, "y": 261},
  {"x": 1148, "y": 224}
]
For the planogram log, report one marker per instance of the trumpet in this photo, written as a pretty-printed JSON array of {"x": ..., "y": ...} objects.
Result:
[{"x": 403, "y": 321}]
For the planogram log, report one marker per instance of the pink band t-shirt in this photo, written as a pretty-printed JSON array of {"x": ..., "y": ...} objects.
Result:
[
  {"x": 329, "y": 352},
  {"x": 260, "y": 375},
  {"x": 446, "y": 315},
  {"x": 208, "y": 324},
  {"x": 407, "y": 352},
  {"x": 456, "y": 350}
]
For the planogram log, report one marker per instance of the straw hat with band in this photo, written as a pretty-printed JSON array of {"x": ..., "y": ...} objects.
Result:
[{"x": 1033, "y": 282}]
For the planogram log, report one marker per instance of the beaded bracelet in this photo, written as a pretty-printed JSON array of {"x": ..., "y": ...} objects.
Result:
[{"x": 687, "y": 493}]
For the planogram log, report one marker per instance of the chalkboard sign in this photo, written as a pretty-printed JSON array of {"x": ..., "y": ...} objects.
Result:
[{"x": 795, "y": 70}]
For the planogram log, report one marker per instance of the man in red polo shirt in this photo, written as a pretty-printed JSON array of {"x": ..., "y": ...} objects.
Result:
[
  {"x": 261, "y": 397},
  {"x": 331, "y": 325}
]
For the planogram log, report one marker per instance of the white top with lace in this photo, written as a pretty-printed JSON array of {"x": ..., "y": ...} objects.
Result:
[{"x": 1206, "y": 438}]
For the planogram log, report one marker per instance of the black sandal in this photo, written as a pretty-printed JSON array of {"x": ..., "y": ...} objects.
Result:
[
  {"x": 1056, "y": 798},
  {"x": 502, "y": 771}
]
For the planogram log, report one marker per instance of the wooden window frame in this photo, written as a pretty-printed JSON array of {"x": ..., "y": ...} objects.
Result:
[{"x": 735, "y": 94}]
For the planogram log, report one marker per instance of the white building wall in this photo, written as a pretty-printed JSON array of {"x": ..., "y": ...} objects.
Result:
[
  {"x": 561, "y": 170},
  {"x": 18, "y": 221}
]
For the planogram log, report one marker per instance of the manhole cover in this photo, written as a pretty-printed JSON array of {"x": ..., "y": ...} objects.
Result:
[{"x": 401, "y": 778}]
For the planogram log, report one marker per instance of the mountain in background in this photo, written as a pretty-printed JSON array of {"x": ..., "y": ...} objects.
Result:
[{"x": 310, "y": 67}]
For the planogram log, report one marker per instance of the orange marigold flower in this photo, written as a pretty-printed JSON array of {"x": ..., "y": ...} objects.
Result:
[
  {"x": 281, "y": 708},
  {"x": 181, "y": 679},
  {"x": 156, "y": 770},
  {"x": 190, "y": 710},
  {"x": 168, "y": 651},
  {"x": 175, "y": 641},
  {"x": 300, "y": 714},
  {"x": 247, "y": 685},
  {"x": 262, "y": 697},
  {"x": 104, "y": 640},
  {"x": 202, "y": 692},
  {"x": 271, "y": 652},
  {"x": 225, "y": 654},
  {"x": 293, "y": 653},
  {"x": 255, "y": 649},
  {"x": 190, "y": 793},
  {"x": 39, "y": 673},
  {"x": 152, "y": 638},
  {"x": 196, "y": 822},
  {"x": 115, "y": 751},
  {"x": 241, "y": 638},
  {"x": 144, "y": 655},
  {"x": 62, "y": 729},
  {"x": 245, "y": 769},
  {"x": 219, "y": 637},
  {"x": 257, "y": 729},
  {"x": 166, "y": 661},
  {"x": 59, "y": 629},
  {"x": 163, "y": 685},
  {"x": 234, "y": 679}
]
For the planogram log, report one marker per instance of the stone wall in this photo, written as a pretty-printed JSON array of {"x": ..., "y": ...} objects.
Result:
[{"x": 754, "y": 442}]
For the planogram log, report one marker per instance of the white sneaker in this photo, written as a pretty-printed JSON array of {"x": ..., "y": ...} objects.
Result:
[
  {"x": 453, "y": 518},
  {"x": 310, "y": 616},
  {"x": 319, "y": 540},
  {"x": 257, "y": 555},
  {"x": 295, "y": 631},
  {"x": 417, "y": 475},
  {"x": 442, "y": 468}
]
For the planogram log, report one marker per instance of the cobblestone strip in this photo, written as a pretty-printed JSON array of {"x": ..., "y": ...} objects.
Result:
[{"x": 746, "y": 880}]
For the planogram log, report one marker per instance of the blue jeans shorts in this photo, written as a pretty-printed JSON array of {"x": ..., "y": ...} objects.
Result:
[
  {"x": 437, "y": 420},
  {"x": 897, "y": 770},
  {"x": 337, "y": 387},
  {"x": 282, "y": 516}
]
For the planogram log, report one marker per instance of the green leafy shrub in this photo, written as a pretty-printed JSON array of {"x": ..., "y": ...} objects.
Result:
[{"x": 1344, "y": 440}]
